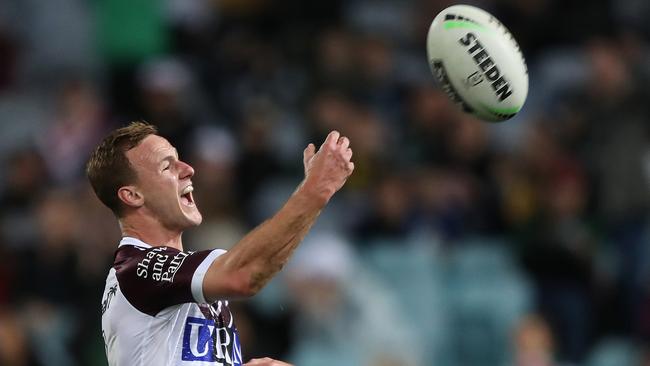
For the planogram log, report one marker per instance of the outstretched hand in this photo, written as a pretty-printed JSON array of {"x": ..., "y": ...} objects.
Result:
[
  {"x": 327, "y": 169},
  {"x": 266, "y": 361}
]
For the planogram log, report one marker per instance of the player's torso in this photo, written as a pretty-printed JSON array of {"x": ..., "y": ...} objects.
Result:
[{"x": 179, "y": 335}]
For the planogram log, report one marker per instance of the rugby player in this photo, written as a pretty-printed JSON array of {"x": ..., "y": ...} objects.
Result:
[{"x": 165, "y": 306}]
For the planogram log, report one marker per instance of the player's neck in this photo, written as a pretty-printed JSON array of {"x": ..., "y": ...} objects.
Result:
[{"x": 151, "y": 232}]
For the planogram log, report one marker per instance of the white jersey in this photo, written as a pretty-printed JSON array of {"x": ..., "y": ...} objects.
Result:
[{"x": 154, "y": 311}]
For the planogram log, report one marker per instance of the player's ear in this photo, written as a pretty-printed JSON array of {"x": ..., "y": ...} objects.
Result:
[{"x": 130, "y": 196}]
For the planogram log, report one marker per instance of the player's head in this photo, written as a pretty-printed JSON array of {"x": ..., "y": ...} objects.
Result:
[{"x": 133, "y": 170}]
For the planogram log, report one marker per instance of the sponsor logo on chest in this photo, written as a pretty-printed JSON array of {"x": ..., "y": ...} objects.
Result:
[{"x": 207, "y": 340}]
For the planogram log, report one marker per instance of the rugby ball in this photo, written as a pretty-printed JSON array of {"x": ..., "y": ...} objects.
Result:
[{"x": 477, "y": 62}]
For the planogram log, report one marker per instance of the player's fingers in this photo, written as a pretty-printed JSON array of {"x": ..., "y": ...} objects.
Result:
[
  {"x": 344, "y": 143},
  {"x": 332, "y": 139},
  {"x": 308, "y": 153},
  {"x": 350, "y": 167},
  {"x": 347, "y": 155}
]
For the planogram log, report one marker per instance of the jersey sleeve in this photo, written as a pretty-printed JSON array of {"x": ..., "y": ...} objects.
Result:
[{"x": 153, "y": 279}]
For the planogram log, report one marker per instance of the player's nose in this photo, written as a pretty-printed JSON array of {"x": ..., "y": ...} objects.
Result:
[{"x": 186, "y": 170}]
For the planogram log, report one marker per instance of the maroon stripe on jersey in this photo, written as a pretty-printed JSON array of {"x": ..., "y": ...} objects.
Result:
[{"x": 153, "y": 279}]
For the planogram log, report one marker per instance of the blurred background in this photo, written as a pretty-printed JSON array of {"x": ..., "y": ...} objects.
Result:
[{"x": 456, "y": 242}]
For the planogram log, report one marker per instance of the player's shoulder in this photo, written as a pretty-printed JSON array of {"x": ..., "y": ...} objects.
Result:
[
  {"x": 152, "y": 278},
  {"x": 148, "y": 262},
  {"x": 146, "y": 274}
]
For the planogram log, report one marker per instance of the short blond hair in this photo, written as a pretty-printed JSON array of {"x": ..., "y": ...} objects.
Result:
[{"x": 108, "y": 168}]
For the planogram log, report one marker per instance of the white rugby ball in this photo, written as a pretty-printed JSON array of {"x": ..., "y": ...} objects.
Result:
[{"x": 477, "y": 62}]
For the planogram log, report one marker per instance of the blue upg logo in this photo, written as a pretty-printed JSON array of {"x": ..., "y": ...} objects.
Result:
[{"x": 203, "y": 341}]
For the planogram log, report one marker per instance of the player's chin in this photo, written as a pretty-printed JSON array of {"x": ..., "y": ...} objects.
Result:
[
  {"x": 192, "y": 215},
  {"x": 194, "y": 218}
]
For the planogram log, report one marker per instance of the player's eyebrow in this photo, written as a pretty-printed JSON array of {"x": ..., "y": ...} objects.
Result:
[{"x": 170, "y": 156}]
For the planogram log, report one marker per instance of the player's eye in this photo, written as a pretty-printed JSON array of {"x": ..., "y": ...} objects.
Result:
[{"x": 166, "y": 167}]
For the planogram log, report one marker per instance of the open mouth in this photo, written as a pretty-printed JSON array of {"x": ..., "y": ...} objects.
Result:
[{"x": 186, "y": 196}]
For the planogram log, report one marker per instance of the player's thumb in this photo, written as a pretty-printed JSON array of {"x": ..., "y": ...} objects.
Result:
[{"x": 309, "y": 153}]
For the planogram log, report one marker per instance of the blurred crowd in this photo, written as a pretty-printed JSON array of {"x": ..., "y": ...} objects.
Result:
[{"x": 456, "y": 242}]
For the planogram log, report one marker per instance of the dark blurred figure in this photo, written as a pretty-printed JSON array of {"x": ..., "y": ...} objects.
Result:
[
  {"x": 611, "y": 134},
  {"x": 334, "y": 60},
  {"x": 390, "y": 215},
  {"x": 445, "y": 202},
  {"x": 558, "y": 243},
  {"x": 50, "y": 280},
  {"x": 542, "y": 24},
  {"x": 167, "y": 98},
  {"x": 8, "y": 59},
  {"x": 26, "y": 182},
  {"x": 375, "y": 76},
  {"x": 430, "y": 119},
  {"x": 257, "y": 162},
  {"x": 215, "y": 156},
  {"x": 79, "y": 121}
]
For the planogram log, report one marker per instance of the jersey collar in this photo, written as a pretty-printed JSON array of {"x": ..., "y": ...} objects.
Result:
[{"x": 128, "y": 240}]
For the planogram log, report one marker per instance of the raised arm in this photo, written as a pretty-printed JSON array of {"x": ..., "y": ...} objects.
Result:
[{"x": 253, "y": 261}]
